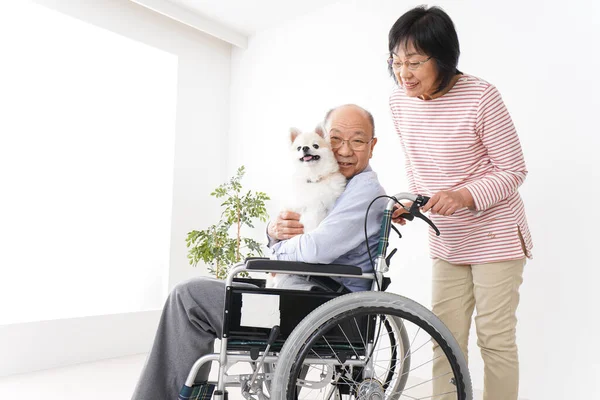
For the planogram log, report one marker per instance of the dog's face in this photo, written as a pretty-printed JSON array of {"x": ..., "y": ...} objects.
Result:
[{"x": 310, "y": 148}]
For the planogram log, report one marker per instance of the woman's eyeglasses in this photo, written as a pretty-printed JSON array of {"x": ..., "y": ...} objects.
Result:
[{"x": 411, "y": 65}]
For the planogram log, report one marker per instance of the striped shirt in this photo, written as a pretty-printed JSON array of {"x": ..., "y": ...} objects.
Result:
[{"x": 466, "y": 139}]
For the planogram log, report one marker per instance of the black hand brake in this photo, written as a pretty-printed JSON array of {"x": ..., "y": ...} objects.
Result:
[{"x": 415, "y": 210}]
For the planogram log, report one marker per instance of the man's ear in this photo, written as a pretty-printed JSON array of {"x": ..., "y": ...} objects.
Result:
[
  {"x": 320, "y": 131},
  {"x": 294, "y": 132},
  {"x": 373, "y": 143}
]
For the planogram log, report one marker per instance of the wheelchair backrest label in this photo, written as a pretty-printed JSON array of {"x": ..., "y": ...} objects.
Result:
[{"x": 260, "y": 310}]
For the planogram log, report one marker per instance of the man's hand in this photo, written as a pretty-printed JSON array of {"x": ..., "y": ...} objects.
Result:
[
  {"x": 448, "y": 202},
  {"x": 398, "y": 211},
  {"x": 286, "y": 226}
]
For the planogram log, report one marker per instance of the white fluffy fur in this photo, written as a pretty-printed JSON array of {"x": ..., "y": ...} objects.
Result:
[{"x": 315, "y": 185}]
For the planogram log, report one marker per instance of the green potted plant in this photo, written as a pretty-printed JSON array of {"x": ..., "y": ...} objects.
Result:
[{"x": 222, "y": 245}]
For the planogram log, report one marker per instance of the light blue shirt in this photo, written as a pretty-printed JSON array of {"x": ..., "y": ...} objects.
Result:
[{"x": 340, "y": 237}]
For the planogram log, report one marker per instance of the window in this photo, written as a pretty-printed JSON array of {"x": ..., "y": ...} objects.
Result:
[{"x": 86, "y": 164}]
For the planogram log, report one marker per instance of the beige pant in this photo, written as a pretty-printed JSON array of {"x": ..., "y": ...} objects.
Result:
[{"x": 493, "y": 289}]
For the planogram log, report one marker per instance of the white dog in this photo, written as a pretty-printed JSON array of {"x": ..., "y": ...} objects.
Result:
[
  {"x": 315, "y": 186},
  {"x": 317, "y": 181}
]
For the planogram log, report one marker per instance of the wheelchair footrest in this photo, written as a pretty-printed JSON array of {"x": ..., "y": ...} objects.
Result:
[{"x": 200, "y": 391}]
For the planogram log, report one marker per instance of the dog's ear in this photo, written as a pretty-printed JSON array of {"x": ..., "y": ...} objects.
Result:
[
  {"x": 320, "y": 131},
  {"x": 294, "y": 132}
]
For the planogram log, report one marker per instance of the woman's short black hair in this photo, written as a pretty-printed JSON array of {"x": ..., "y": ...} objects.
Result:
[{"x": 431, "y": 32}]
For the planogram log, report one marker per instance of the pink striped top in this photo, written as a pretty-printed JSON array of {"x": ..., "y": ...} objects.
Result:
[{"x": 466, "y": 139}]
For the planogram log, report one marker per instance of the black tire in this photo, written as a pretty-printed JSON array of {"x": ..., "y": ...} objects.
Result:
[{"x": 307, "y": 342}]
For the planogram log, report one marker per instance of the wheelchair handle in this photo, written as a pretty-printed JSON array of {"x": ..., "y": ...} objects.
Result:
[
  {"x": 418, "y": 201},
  {"x": 382, "y": 262},
  {"x": 407, "y": 216}
]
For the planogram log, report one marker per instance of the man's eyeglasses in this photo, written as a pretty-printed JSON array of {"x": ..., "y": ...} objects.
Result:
[
  {"x": 355, "y": 144},
  {"x": 411, "y": 65}
]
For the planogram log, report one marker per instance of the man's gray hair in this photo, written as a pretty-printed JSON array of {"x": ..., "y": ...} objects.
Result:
[{"x": 367, "y": 113}]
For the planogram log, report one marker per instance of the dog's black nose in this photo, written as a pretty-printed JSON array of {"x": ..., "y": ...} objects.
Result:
[{"x": 305, "y": 149}]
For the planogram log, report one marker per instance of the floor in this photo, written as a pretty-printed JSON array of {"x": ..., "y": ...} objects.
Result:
[
  {"x": 112, "y": 379},
  {"x": 109, "y": 379}
]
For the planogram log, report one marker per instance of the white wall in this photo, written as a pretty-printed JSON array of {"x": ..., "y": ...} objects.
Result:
[
  {"x": 202, "y": 120},
  {"x": 543, "y": 58}
]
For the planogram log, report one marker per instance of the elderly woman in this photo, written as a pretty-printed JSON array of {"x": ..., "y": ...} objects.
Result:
[{"x": 462, "y": 149}]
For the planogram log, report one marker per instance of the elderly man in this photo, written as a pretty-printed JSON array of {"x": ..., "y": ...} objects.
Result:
[
  {"x": 193, "y": 315},
  {"x": 339, "y": 238}
]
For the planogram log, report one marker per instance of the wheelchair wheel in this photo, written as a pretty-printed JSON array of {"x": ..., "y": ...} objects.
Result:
[
  {"x": 399, "y": 354},
  {"x": 344, "y": 349}
]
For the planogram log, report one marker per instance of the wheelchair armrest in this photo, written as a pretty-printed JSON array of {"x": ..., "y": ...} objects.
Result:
[{"x": 302, "y": 268}]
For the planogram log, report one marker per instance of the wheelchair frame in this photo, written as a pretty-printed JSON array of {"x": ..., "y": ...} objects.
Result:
[{"x": 226, "y": 358}]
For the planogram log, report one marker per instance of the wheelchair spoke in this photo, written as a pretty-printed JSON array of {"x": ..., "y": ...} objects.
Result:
[
  {"x": 425, "y": 363},
  {"x": 361, "y": 338},
  {"x": 349, "y": 342},
  {"x": 335, "y": 354},
  {"x": 420, "y": 347},
  {"x": 430, "y": 380},
  {"x": 413, "y": 341}
]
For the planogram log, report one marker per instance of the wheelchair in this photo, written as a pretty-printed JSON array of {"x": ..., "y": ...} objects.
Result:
[{"x": 331, "y": 343}]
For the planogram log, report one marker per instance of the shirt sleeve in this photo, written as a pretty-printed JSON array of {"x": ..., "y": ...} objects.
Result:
[
  {"x": 270, "y": 240},
  {"x": 407, "y": 165},
  {"x": 499, "y": 136},
  {"x": 341, "y": 231}
]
